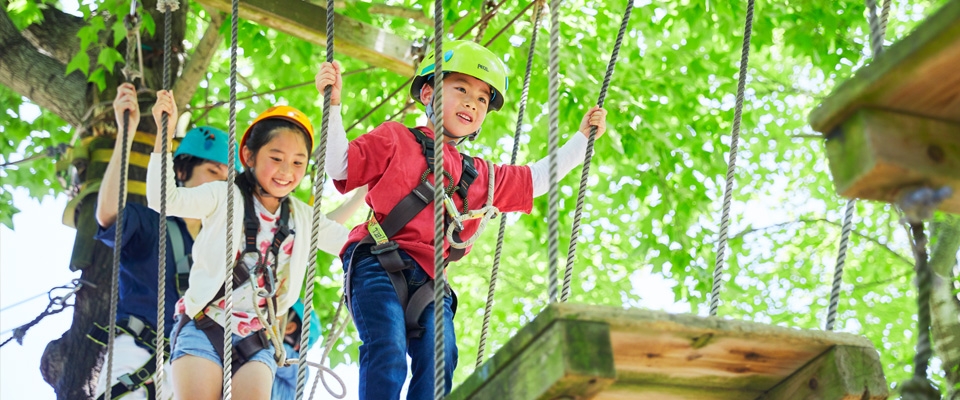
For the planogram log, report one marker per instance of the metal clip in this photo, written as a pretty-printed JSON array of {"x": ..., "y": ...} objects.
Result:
[{"x": 452, "y": 211}]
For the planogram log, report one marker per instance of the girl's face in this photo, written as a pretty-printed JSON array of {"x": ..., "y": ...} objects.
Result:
[{"x": 280, "y": 164}]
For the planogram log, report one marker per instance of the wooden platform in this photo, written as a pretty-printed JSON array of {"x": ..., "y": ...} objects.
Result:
[
  {"x": 896, "y": 123},
  {"x": 596, "y": 352}
]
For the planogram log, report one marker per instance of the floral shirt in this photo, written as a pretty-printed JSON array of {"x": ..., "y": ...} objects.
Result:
[{"x": 245, "y": 321}]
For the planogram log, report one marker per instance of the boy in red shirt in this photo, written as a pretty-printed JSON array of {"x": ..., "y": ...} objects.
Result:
[{"x": 388, "y": 261}]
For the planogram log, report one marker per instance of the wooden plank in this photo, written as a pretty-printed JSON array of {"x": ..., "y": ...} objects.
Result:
[
  {"x": 569, "y": 358},
  {"x": 307, "y": 21},
  {"x": 666, "y": 356},
  {"x": 842, "y": 373},
  {"x": 916, "y": 75},
  {"x": 876, "y": 154}
]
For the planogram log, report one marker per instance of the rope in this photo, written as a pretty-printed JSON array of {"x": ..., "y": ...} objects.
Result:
[
  {"x": 231, "y": 179},
  {"x": 167, "y": 7},
  {"x": 318, "y": 179},
  {"x": 327, "y": 348},
  {"x": 841, "y": 261},
  {"x": 494, "y": 271},
  {"x": 572, "y": 251},
  {"x": 731, "y": 165},
  {"x": 924, "y": 286},
  {"x": 55, "y": 306},
  {"x": 877, "y": 33},
  {"x": 552, "y": 145},
  {"x": 439, "y": 281},
  {"x": 489, "y": 10}
]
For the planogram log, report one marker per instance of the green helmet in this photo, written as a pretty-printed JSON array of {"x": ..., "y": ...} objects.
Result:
[{"x": 465, "y": 57}]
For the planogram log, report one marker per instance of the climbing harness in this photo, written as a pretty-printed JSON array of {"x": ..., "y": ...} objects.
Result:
[
  {"x": 144, "y": 335},
  {"x": 182, "y": 259},
  {"x": 732, "y": 163},
  {"x": 378, "y": 243},
  {"x": 572, "y": 250}
]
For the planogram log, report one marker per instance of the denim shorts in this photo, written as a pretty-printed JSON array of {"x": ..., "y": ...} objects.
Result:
[{"x": 192, "y": 341}]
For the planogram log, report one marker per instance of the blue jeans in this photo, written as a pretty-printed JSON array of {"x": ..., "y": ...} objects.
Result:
[
  {"x": 379, "y": 319},
  {"x": 285, "y": 383}
]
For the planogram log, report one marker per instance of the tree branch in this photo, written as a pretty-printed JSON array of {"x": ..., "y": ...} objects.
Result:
[
  {"x": 818, "y": 221},
  {"x": 57, "y": 35},
  {"x": 28, "y": 72},
  {"x": 196, "y": 67}
]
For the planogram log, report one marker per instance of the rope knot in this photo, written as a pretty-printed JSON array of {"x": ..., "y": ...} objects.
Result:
[{"x": 168, "y": 5}]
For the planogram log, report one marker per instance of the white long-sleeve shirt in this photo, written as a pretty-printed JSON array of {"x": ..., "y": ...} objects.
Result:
[
  {"x": 569, "y": 155},
  {"x": 208, "y": 203}
]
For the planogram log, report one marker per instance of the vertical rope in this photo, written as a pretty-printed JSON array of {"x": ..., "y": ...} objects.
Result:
[
  {"x": 318, "y": 180},
  {"x": 841, "y": 261},
  {"x": 731, "y": 165},
  {"x": 121, "y": 205},
  {"x": 524, "y": 93},
  {"x": 440, "y": 279},
  {"x": 572, "y": 250},
  {"x": 231, "y": 179},
  {"x": 553, "y": 197},
  {"x": 162, "y": 251},
  {"x": 924, "y": 284},
  {"x": 877, "y": 33}
]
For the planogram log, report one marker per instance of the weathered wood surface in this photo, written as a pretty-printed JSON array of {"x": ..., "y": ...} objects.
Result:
[
  {"x": 658, "y": 355},
  {"x": 917, "y": 75},
  {"x": 307, "y": 21},
  {"x": 843, "y": 372},
  {"x": 876, "y": 154}
]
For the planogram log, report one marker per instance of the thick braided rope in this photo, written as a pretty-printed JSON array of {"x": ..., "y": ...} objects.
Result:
[
  {"x": 575, "y": 231},
  {"x": 841, "y": 261},
  {"x": 231, "y": 179},
  {"x": 731, "y": 165},
  {"x": 162, "y": 258},
  {"x": 489, "y": 9},
  {"x": 318, "y": 180},
  {"x": 118, "y": 239},
  {"x": 877, "y": 33},
  {"x": 121, "y": 205},
  {"x": 553, "y": 195},
  {"x": 924, "y": 285},
  {"x": 439, "y": 266},
  {"x": 524, "y": 93}
]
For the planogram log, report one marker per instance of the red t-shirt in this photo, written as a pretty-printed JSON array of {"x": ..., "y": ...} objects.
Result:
[{"x": 390, "y": 161}]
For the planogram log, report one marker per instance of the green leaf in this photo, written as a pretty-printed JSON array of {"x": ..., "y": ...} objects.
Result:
[
  {"x": 98, "y": 77},
  {"x": 119, "y": 31},
  {"x": 149, "y": 25},
  {"x": 109, "y": 57},
  {"x": 79, "y": 62}
]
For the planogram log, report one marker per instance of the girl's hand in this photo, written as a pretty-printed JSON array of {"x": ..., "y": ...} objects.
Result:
[
  {"x": 165, "y": 104},
  {"x": 127, "y": 101},
  {"x": 595, "y": 116},
  {"x": 330, "y": 75}
]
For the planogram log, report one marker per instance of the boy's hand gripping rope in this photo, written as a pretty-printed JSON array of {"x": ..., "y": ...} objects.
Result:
[
  {"x": 231, "y": 179},
  {"x": 488, "y": 308},
  {"x": 572, "y": 250},
  {"x": 877, "y": 33},
  {"x": 732, "y": 163}
]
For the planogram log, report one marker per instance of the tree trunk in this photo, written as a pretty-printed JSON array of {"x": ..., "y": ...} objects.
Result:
[
  {"x": 32, "y": 63},
  {"x": 944, "y": 306}
]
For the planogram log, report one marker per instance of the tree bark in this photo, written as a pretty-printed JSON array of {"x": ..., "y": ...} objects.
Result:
[
  {"x": 32, "y": 63},
  {"x": 196, "y": 67},
  {"x": 944, "y": 306}
]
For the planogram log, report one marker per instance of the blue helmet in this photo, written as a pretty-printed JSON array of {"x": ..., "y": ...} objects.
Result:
[
  {"x": 208, "y": 143},
  {"x": 314, "y": 323}
]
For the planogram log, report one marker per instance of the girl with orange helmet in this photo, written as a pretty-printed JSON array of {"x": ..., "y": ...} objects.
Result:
[{"x": 272, "y": 236}]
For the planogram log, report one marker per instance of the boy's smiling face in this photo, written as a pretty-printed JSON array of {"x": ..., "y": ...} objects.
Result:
[{"x": 465, "y": 102}]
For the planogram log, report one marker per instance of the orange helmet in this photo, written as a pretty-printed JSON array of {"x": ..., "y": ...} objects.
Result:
[{"x": 283, "y": 112}]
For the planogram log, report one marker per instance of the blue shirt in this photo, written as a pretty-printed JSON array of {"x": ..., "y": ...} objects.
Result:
[{"x": 138, "y": 264}]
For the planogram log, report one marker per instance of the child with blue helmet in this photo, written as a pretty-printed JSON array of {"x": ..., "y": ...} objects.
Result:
[{"x": 200, "y": 158}]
